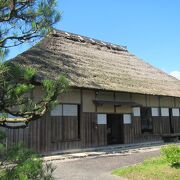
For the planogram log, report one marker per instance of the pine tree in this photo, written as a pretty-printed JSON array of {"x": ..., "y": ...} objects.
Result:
[{"x": 24, "y": 21}]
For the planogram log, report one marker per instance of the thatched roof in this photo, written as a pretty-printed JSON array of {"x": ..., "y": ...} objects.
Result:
[{"x": 91, "y": 63}]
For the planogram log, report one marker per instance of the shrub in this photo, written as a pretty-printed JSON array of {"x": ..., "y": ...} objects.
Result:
[
  {"x": 18, "y": 162},
  {"x": 2, "y": 136},
  {"x": 172, "y": 154},
  {"x": 2, "y": 145}
]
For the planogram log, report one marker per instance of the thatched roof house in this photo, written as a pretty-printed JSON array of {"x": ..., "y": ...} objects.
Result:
[
  {"x": 90, "y": 63},
  {"x": 115, "y": 97}
]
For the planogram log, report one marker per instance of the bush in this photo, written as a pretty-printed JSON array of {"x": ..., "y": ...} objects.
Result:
[
  {"x": 172, "y": 154},
  {"x": 2, "y": 136},
  {"x": 2, "y": 144},
  {"x": 20, "y": 163}
]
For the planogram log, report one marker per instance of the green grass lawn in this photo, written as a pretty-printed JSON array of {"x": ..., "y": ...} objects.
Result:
[{"x": 152, "y": 169}]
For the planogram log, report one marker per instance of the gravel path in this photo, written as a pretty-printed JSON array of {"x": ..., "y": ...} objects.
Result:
[{"x": 97, "y": 168}]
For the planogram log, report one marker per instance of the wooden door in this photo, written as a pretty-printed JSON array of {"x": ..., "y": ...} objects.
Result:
[{"x": 115, "y": 129}]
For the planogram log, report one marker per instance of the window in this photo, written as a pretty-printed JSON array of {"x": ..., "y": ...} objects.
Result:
[
  {"x": 127, "y": 118},
  {"x": 101, "y": 119},
  {"x": 165, "y": 112},
  {"x": 65, "y": 110},
  {"x": 175, "y": 112},
  {"x": 70, "y": 110},
  {"x": 155, "y": 112},
  {"x": 146, "y": 120},
  {"x": 65, "y": 122},
  {"x": 136, "y": 111},
  {"x": 57, "y": 111}
]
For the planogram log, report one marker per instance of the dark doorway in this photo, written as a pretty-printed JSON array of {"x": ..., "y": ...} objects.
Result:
[
  {"x": 170, "y": 121},
  {"x": 146, "y": 120},
  {"x": 115, "y": 129}
]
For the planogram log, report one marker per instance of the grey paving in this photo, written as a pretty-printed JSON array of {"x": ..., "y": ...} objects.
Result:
[{"x": 97, "y": 168}]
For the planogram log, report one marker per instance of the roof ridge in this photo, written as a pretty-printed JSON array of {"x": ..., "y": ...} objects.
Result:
[{"x": 83, "y": 39}]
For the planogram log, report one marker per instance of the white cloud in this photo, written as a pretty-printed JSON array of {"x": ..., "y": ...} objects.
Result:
[{"x": 176, "y": 74}]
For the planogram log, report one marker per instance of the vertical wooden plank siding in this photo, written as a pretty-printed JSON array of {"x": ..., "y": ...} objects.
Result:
[
  {"x": 55, "y": 133},
  {"x": 161, "y": 125},
  {"x": 92, "y": 134},
  {"x": 176, "y": 124},
  {"x": 128, "y": 138},
  {"x": 102, "y": 135},
  {"x": 46, "y": 134},
  {"x": 132, "y": 132}
]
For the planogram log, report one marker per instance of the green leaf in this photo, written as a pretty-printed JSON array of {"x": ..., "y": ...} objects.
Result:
[
  {"x": 33, "y": 24},
  {"x": 22, "y": 89},
  {"x": 29, "y": 73}
]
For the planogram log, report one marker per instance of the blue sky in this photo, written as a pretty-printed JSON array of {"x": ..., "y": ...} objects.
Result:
[{"x": 149, "y": 28}]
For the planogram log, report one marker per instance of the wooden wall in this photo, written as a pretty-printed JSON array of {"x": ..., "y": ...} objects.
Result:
[
  {"x": 161, "y": 125},
  {"x": 176, "y": 124},
  {"x": 45, "y": 134},
  {"x": 55, "y": 133},
  {"x": 132, "y": 133}
]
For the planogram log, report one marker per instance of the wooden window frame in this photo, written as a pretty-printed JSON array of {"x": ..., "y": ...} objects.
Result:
[
  {"x": 78, "y": 119},
  {"x": 63, "y": 123}
]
